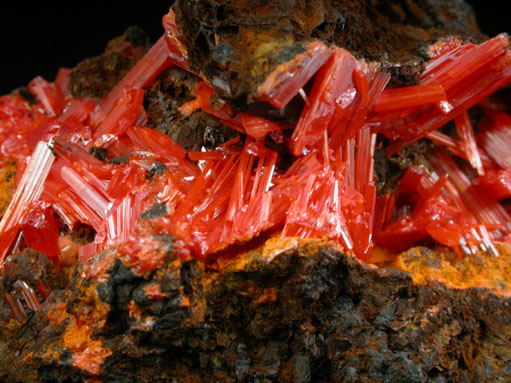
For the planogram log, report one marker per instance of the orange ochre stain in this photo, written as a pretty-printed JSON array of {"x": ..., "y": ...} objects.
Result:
[
  {"x": 87, "y": 354},
  {"x": 441, "y": 264}
]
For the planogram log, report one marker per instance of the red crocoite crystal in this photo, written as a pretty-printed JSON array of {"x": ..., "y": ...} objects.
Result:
[
  {"x": 27, "y": 192},
  {"x": 123, "y": 115},
  {"x": 484, "y": 69},
  {"x": 258, "y": 127},
  {"x": 288, "y": 78},
  {"x": 418, "y": 95},
  {"x": 41, "y": 231},
  {"x": 157, "y": 142},
  {"x": 331, "y": 82},
  {"x": 49, "y": 96},
  {"x": 495, "y": 139},
  {"x": 466, "y": 134},
  {"x": 433, "y": 215},
  {"x": 495, "y": 183},
  {"x": 165, "y": 53},
  {"x": 242, "y": 189}
]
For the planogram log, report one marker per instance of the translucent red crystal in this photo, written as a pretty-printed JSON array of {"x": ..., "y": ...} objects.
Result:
[
  {"x": 157, "y": 142},
  {"x": 176, "y": 48},
  {"x": 468, "y": 74},
  {"x": 456, "y": 148},
  {"x": 29, "y": 295},
  {"x": 41, "y": 231},
  {"x": 27, "y": 192},
  {"x": 331, "y": 82},
  {"x": 62, "y": 81},
  {"x": 418, "y": 95},
  {"x": 466, "y": 134},
  {"x": 120, "y": 221},
  {"x": 15, "y": 306},
  {"x": 123, "y": 115},
  {"x": 288, "y": 78},
  {"x": 495, "y": 183},
  {"x": 90, "y": 195},
  {"x": 460, "y": 63},
  {"x": 484, "y": 208},
  {"x": 258, "y": 127},
  {"x": 49, "y": 96},
  {"x": 361, "y": 83},
  {"x": 162, "y": 55},
  {"x": 317, "y": 212},
  {"x": 434, "y": 215},
  {"x": 496, "y": 139},
  {"x": 345, "y": 126}
]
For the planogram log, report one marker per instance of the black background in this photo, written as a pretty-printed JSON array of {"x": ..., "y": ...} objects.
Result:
[{"x": 38, "y": 38}]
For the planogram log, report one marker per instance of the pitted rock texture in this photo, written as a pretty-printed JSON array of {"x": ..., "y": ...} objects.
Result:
[{"x": 307, "y": 314}]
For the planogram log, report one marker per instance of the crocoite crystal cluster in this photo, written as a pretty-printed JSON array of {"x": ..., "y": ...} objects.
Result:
[{"x": 215, "y": 199}]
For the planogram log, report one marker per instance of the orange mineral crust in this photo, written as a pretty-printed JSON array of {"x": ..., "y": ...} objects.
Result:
[
  {"x": 475, "y": 271},
  {"x": 7, "y": 177}
]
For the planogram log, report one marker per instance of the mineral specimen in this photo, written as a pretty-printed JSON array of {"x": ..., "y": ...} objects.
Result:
[{"x": 127, "y": 257}]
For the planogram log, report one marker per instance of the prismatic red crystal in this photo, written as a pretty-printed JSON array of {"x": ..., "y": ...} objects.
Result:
[
  {"x": 123, "y": 115},
  {"x": 258, "y": 127},
  {"x": 284, "y": 83},
  {"x": 27, "y": 192},
  {"x": 433, "y": 215},
  {"x": 466, "y": 134},
  {"x": 317, "y": 211},
  {"x": 325, "y": 100},
  {"x": 156, "y": 60},
  {"x": 467, "y": 74},
  {"x": 15, "y": 306},
  {"x": 496, "y": 138},
  {"x": 418, "y": 95},
  {"x": 41, "y": 231},
  {"x": 484, "y": 208},
  {"x": 49, "y": 96}
]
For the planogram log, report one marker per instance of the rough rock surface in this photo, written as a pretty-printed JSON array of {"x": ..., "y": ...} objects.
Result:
[
  {"x": 96, "y": 76},
  {"x": 236, "y": 44},
  {"x": 303, "y": 314},
  {"x": 172, "y": 89}
]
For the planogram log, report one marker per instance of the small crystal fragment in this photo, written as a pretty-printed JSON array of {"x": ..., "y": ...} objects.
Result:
[
  {"x": 41, "y": 231},
  {"x": 466, "y": 134},
  {"x": 29, "y": 295},
  {"x": 16, "y": 308}
]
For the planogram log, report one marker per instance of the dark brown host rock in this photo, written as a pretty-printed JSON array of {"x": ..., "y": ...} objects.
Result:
[
  {"x": 300, "y": 313},
  {"x": 237, "y": 44}
]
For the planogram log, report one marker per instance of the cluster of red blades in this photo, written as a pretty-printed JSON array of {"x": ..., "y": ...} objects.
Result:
[{"x": 230, "y": 195}]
